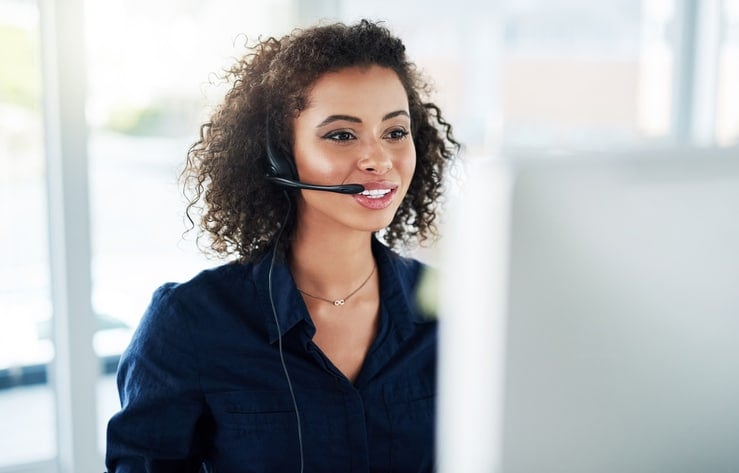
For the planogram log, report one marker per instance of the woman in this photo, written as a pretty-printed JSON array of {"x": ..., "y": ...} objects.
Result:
[{"x": 310, "y": 352}]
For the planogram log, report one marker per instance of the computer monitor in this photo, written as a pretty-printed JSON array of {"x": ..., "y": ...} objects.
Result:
[{"x": 589, "y": 315}]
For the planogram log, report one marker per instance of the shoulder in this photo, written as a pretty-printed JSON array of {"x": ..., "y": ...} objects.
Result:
[
  {"x": 202, "y": 293},
  {"x": 215, "y": 300},
  {"x": 216, "y": 280}
]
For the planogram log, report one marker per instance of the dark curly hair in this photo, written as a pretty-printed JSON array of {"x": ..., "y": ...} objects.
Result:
[{"x": 224, "y": 177}]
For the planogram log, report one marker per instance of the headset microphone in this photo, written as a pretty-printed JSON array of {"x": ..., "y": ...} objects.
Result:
[
  {"x": 341, "y": 188},
  {"x": 281, "y": 171}
]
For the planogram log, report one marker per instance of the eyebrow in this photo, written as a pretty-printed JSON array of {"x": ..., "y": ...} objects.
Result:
[{"x": 350, "y": 118}]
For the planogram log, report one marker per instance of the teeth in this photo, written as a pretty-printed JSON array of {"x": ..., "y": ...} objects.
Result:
[{"x": 375, "y": 193}]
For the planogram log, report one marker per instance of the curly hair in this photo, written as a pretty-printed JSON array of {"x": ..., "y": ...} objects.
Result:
[{"x": 224, "y": 178}]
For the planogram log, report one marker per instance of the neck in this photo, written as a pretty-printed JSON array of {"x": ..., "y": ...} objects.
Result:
[{"x": 331, "y": 265}]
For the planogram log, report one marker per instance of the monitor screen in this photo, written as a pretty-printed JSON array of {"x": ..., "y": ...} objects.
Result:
[{"x": 589, "y": 316}]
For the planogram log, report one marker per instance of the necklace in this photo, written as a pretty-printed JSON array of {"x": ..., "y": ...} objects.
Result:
[{"x": 340, "y": 302}]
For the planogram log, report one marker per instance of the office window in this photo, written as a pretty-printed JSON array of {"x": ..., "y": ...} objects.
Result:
[
  {"x": 26, "y": 400},
  {"x": 587, "y": 75}
]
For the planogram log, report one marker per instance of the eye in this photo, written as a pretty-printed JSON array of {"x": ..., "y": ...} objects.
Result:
[
  {"x": 398, "y": 134},
  {"x": 339, "y": 136}
]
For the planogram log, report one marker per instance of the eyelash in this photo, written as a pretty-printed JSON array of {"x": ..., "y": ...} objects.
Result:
[
  {"x": 400, "y": 133},
  {"x": 342, "y": 136},
  {"x": 336, "y": 136}
]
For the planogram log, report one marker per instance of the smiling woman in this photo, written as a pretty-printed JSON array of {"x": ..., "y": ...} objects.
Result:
[
  {"x": 311, "y": 352},
  {"x": 356, "y": 129}
]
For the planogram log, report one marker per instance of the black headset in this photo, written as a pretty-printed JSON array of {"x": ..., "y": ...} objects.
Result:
[{"x": 282, "y": 172}]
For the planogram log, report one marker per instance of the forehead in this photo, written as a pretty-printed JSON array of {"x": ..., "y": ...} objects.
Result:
[{"x": 358, "y": 87}]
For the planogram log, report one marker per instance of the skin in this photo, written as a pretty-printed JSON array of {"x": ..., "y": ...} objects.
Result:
[{"x": 355, "y": 129}]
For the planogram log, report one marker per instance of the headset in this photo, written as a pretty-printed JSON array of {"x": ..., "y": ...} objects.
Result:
[{"x": 281, "y": 171}]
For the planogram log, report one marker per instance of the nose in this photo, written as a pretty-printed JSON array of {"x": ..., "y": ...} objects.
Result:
[{"x": 375, "y": 159}]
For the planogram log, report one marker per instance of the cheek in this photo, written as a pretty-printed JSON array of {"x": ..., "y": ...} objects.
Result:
[
  {"x": 408, "y": 165},
  {"x": 317, "y": 167},
  {"x": 314, "y": 164}
]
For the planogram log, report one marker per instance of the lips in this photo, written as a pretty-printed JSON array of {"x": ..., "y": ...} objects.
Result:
[{"x": 376, "y": 195}]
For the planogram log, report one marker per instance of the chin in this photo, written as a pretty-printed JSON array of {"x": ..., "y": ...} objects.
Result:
[{"x": 373, "y": 225}]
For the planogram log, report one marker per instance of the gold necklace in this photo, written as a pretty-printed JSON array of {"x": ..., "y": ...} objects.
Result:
[{"x": 340, "y": 302}]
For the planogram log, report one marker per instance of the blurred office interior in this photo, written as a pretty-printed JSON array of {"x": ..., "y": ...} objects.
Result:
[{"x": 99, "y": 102}]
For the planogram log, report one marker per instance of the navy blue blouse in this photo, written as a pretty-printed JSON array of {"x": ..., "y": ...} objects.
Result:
[{"x": 202, "y": 384}]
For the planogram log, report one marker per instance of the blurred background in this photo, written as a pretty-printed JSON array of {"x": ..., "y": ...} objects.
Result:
[{"x": 99, "y": 102}]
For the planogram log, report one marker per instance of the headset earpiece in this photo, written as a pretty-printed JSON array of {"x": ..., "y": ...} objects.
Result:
[
  {"x": 278, "y": 164},
  {"x": 281, "y": 171}
]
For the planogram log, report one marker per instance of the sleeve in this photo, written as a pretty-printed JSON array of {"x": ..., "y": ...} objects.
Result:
[{"x": 159, "y": 426}]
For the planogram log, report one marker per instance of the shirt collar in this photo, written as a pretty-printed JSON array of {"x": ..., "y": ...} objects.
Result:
[{"x": 289, "y": 308}]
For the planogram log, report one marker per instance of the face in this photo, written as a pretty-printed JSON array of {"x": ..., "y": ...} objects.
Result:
[{"x": 355, "y": 129}]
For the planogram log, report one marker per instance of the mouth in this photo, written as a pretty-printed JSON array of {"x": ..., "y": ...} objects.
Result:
[{"x": 375, "y": 193}]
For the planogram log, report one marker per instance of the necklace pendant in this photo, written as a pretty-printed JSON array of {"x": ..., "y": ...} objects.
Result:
[{"x": 340, "y": 302}]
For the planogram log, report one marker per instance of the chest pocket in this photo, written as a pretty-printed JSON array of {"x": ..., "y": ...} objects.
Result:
[
  {"x": 255, "y": 431},
  {"x": 411, "y": 411},
  {"x": 253, "y": 411}
]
